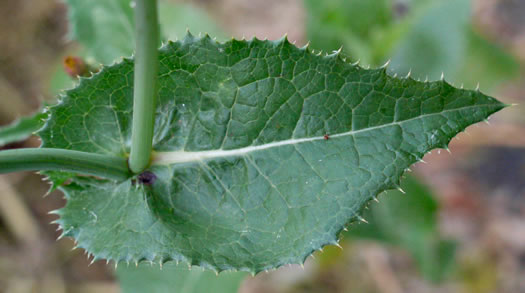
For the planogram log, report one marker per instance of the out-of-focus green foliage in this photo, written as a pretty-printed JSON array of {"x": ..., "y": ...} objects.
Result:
[
  {"x": 435, "y": 42},
  {"x": 424, "y": 37},
  {"x": 409, "y": 221},
  {"x": 442, "y": 40},
  {"x": 177, "y": 18},
  {"x": 485, "y": 63},
  {"x": 22, "y": 128},
  {"x": 105, "y": 28},
  {"x": 354, "y": 24},
  {"x": 176, "y": 278}
]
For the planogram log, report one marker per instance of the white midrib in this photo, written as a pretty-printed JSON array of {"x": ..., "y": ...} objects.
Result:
[{"x": 167, "y": 158}]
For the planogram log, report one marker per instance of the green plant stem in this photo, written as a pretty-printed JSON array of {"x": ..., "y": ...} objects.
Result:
[
  {"x": 64, "y": 160},
  {"x": 145, "y": 84}
]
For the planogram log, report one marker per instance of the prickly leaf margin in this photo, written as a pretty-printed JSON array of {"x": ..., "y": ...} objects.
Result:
[{"x": 264, "y": 151}]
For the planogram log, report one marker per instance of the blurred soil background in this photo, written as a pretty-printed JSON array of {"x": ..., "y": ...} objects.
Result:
[{"x": 478, "y": 188}]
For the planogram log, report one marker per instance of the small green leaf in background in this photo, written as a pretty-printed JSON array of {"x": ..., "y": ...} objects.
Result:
[
  {"x": 22, "y": 128},
  {"x": 353, "y": 24},
  {"x": 429, "y": 38},
  {"x": 105, "y": 28},
  {"x": 485, "y": 63},
  {"x": 409, "y": 221},
  {"x": 177, "y": 18},
  {"x": 436, "y": 42},
  {"x": 176, "y": 279},
  {"x": 264, "y": 151}
]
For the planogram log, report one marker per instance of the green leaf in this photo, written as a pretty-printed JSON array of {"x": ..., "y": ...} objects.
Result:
[
  {"x": 176, "y": 278},
  {"x": 428, "y": 38},
  {"x": 177, "y": 18},
  {"x": 486, "y": 64},
  {"x": 246, "y": 178},
  {"x": 105, "y": 28},
  {"x": 442, "y": 39},
  {"x": 353, "y": 24},
  {"x": 22, "y": 128},
  {"x": 436, "y": 42},
  {"x": 410, "y": 221}
]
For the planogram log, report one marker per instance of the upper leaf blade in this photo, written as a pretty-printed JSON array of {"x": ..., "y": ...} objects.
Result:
[{"x": 264, "y": 151}]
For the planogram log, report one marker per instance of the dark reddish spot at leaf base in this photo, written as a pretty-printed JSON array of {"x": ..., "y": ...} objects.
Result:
[
  {"x": 147, "y": 178},
  {"x": 326, "y": 137}
]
